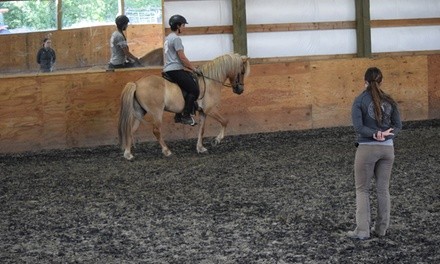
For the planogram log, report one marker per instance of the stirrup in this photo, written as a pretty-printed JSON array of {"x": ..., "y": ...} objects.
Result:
[{"x": 188, "y": 120}]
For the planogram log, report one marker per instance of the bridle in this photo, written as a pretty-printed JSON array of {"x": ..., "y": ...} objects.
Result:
[
  {"x": 237, "y": 85},
  {"x": 239, "y": 79}
]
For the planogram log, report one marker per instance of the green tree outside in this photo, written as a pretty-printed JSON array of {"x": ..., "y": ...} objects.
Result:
[
  {"x": 33, "y": 15},
  {"x": 41, "y": 14}
]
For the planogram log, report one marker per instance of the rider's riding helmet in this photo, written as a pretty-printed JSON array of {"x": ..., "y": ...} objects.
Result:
[
  {"x": 176, "y": 21},
  {"x": 121, "y": 21}
]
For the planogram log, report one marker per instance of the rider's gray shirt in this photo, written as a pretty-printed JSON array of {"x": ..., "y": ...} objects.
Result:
[
  {"x": 173, "y": 43},
  {"x": 117, "y": 43}
]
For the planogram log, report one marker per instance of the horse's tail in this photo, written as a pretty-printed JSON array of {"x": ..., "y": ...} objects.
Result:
[{"x": 127, "y": 115}]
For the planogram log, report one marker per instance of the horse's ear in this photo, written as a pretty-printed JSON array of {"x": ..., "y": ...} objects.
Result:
[{"x": 244, "y": 59}]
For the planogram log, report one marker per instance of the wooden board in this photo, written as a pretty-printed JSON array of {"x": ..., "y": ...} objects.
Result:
[
  {"x": 434, "y": 86},
  {"x": 65, "y": 110}
]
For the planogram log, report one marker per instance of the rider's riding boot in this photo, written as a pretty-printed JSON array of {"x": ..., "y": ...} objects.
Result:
[
  {"x": 189, "y": 104},
  {"x": 178, "y": 118},
  {"x": 187, "y": 116}
]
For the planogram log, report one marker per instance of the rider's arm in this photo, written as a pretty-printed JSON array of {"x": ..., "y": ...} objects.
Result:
[
  {"x": 185, "y": 60},
  {"x": 128, "y": 54}
]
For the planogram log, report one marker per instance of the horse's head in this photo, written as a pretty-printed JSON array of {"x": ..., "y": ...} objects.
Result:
[
  {"x": 231, "y": 67},
  {"x": 237, "y": 79}
]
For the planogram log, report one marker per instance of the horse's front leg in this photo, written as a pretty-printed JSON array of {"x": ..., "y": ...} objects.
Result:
[
  {"x": 223, "y": 122},
  {"x": 200, "y": 147},
  {"x": 157, "y": 132}
]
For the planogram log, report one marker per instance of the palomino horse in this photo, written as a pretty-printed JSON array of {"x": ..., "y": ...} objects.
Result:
[
  {"x": 152, "y": 58},
  {"x": 153, "y": 94}
]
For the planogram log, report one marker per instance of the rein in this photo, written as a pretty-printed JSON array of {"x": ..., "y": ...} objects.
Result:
[
  {"x": 204, "y": 84},
  {"x": 212, "y": 79},
  {"x": 236, "y": 81}
]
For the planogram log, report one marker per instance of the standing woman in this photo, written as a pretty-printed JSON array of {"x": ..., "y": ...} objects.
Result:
[
  {"x": 46, "y": 56},
  {"x": 177, "y": 66},
  {"x": 376, "y": 121},
  {"x": 121, "y": 56}
]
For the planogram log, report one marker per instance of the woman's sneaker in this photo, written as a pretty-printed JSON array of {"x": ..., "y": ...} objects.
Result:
[
  {"x": 376, "y": 233},
  {"x": 358, "y": 235}
]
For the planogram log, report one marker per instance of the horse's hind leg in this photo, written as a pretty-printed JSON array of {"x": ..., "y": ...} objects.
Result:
[
  {"x": 157, "y": 131},
  {"x": 139, "y": 113},
  {"x": 127, "y": 151}
]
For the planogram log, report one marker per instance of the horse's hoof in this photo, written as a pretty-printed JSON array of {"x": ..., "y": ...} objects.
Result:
[
  {"x": 128, "y": 157},
  {"x": 202, "y": 150},
  {"x": 167, "y": 153},
  {"x": 215, "y": 142}
]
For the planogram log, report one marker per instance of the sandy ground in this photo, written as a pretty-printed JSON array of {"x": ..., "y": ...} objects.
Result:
[{"x": 285, "y": 197}]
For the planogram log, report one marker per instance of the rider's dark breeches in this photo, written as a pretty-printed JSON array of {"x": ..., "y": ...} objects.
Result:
[{"x": 185, "y": 80}]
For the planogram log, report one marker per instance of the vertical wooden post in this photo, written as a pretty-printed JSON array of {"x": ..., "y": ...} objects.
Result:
[
  {"x": 59, "y": 14},
  {"x": 363, "y": 28},
  {"x": 121, "y": 7},
  {"x": 239, "y": 32}
]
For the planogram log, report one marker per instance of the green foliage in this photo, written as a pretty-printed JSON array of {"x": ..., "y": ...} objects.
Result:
[
  {"x": 77, "y": 11},
  {"x": 41, "y": 14},
  {"x": 139, "y": 4},
  {"x": 35, "y": 15}
]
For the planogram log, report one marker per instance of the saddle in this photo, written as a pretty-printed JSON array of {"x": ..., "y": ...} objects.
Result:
[{"x": 167, "y": 77}]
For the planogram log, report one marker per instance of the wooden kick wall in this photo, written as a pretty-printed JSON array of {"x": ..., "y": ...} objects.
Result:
[
  {"x": 75, "y": 48},
  {"x": 78, "y": 109}
]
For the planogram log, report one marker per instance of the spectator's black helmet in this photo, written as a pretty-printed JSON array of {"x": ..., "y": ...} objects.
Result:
[
  {"x": 176, "y": 21},
  {"x": 121, "y": 21}
]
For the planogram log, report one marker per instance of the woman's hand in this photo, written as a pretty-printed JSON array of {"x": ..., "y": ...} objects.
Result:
[{"x": 381, "y": 135}]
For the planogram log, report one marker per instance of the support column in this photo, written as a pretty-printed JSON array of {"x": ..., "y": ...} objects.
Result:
[
  {"x": 363, "y": 28},
  {"x": 121, "y": 7},
  {"x": 239, "y": 24},
  {"x": 59, "y": 14}
]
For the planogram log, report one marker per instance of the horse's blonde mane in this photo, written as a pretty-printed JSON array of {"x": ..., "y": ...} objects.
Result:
[{"x": 221, "y": 67}]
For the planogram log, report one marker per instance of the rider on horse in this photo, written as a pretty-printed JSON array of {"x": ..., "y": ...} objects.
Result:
[
  {"x": 121, "y": 57},
  {"x": 174, "y": 68}
]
